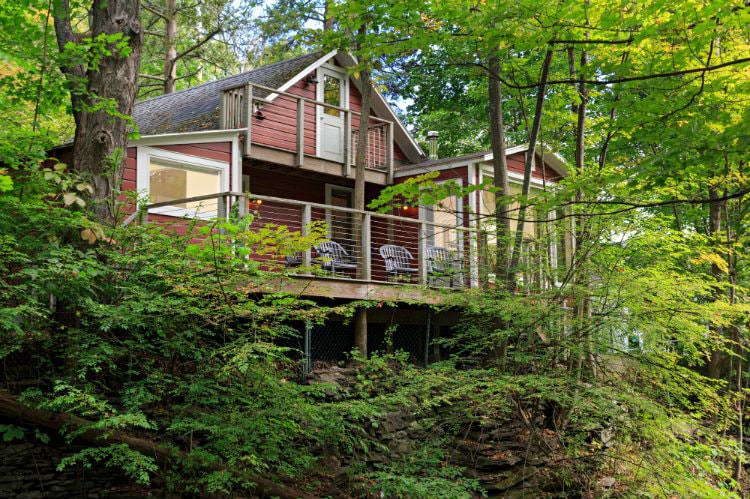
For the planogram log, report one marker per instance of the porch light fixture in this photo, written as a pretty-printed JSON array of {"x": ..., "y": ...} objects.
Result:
[
  {"x": 310, "y": 80},
  {"x": 258, "y": 111}
]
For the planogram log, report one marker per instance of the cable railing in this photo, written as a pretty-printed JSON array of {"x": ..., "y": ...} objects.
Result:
[{"x": 321, "y": 240}]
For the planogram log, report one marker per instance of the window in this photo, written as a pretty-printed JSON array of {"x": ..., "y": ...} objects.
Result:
[
  {"x": 447, "y": 212},
  {"x": 167, "y": 176},
  {"x": 332, "y": 94},
  {"x": 340, "y": 223}
]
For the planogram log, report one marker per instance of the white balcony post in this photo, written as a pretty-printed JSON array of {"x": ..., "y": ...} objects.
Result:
[
  {"x": 223, "y": 110},
  {"x": 242, "y": 205},
  {"x": 305, "y": 230},
  {"x": 365, "y": 249},
  {"x": 249, "y": 111},
  {"x": 389, "y": 152},
  {"x": 347, "y": 143},
  {"x": 422, "y": 252},
  {"x": 300, "y": 132},
  {"x": 473, "y": 258}
]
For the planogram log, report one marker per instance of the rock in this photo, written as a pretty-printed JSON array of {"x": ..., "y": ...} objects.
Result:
[{"x": 607, "y": 482}]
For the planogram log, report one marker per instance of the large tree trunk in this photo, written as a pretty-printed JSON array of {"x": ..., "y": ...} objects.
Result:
[
  {"x": 528, "y": 169},
  {"x": 170, "y": 46},
  {"x": 500, "y": 170},
  {"x": 100, "y": 132},
  {"x": 360, "y": 329}
]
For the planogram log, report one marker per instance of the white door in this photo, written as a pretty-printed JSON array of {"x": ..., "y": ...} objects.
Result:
[{"x": 331, "y": 90}]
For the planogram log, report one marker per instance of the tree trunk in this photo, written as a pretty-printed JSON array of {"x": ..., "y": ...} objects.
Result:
[
  {"x": 170, "y": 46},
  {"x": 101, "y": 135},
  {"x": 500, "y": 170},
  {"x": 528, "y": 169},
  {"x": 360, "y": 329},
  {"x": 714, "y": 228}
]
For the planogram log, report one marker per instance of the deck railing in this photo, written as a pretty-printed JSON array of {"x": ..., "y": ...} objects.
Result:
[
  {"x": 365, "y": 240},
  {"x": 264, "y": 111}
]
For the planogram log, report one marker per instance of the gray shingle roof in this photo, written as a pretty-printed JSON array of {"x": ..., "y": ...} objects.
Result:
[{"x": 197, "y": 108}]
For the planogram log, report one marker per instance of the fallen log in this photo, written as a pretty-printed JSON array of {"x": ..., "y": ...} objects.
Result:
[{"x": 12, "y": 408}]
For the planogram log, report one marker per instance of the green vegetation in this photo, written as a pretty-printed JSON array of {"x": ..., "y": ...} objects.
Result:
[{"x": 626, "y": 379}]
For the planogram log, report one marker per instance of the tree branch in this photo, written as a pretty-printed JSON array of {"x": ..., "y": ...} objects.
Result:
[
  {"x": 154, "y": 10},
  {"x": 198, "y": 45}
]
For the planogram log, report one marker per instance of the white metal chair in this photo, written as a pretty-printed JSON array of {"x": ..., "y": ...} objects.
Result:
[
  {"x": 397, "y": 260},
  {"x": 443, "y": 265}
]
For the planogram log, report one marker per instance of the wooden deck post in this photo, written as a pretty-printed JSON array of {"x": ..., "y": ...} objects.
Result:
[
  {"x": 347, "y": 143},
  {"x": 300, "y": 132},
  {"x": 365, "y": 249},
  {"x": 249, "y": 114},
  {"x": 473, "y": 258},
  {"x": 422, "y": 253},
  {"x": 223, "y": 110},
  {"x": 360, "y": 331},
  {"x": 221, "y": 207},
  {"x": 306, "y": 220},
  {"x": 389, "y": 152}
]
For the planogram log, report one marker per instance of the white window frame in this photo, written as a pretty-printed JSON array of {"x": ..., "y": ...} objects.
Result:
[{"x": 145, "y": 154}]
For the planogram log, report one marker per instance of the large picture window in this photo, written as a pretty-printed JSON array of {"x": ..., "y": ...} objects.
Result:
[
  {"x": 448, "y": 212},
  {"x": 167, "y": 176}
]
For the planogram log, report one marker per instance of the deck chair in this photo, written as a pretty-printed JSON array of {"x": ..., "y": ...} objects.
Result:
[
  {"x": 397, "y": 260},
  {"x": 444, "y": 266},
  {"x": 332, "y": 256}
]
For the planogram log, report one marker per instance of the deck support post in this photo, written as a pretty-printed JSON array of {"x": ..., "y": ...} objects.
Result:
[
  {"x": 305, "y": 229},
  {"x": 307, "y": 354},
  {"x": 360, "y": 331},
  {"x": 427, "y": 328},
  {"x": 300, "y": 132},
  {"x": 365, "y": 250}
]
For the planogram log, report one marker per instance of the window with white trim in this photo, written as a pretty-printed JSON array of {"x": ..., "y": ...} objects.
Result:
[{"x": 165, "y": 176}]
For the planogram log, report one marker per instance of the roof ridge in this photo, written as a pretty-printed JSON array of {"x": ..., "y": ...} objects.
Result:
[{"x": 157, "y": 97}]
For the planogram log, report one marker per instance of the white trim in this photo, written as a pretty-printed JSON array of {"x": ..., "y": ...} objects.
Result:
[
  {"x": 201, "y": 137},
  {"x": 294, "y": 79},
  {"x": 144, "y": 156},
  {"x": 550, "y": 157},
  {"x": 427, "y": 169},
  {"x": 513, "y": 177}
]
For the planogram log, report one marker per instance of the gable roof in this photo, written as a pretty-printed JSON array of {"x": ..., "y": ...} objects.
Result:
[
  {"x": 197, "y": 108},
  {"x": 550, "y": 158}
]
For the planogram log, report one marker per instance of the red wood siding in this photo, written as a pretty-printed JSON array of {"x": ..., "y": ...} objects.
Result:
[
  {"x": 516, "y": 164},
  {"x": 130, "y": 172},
  {"x": 278, "y": 128}
]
